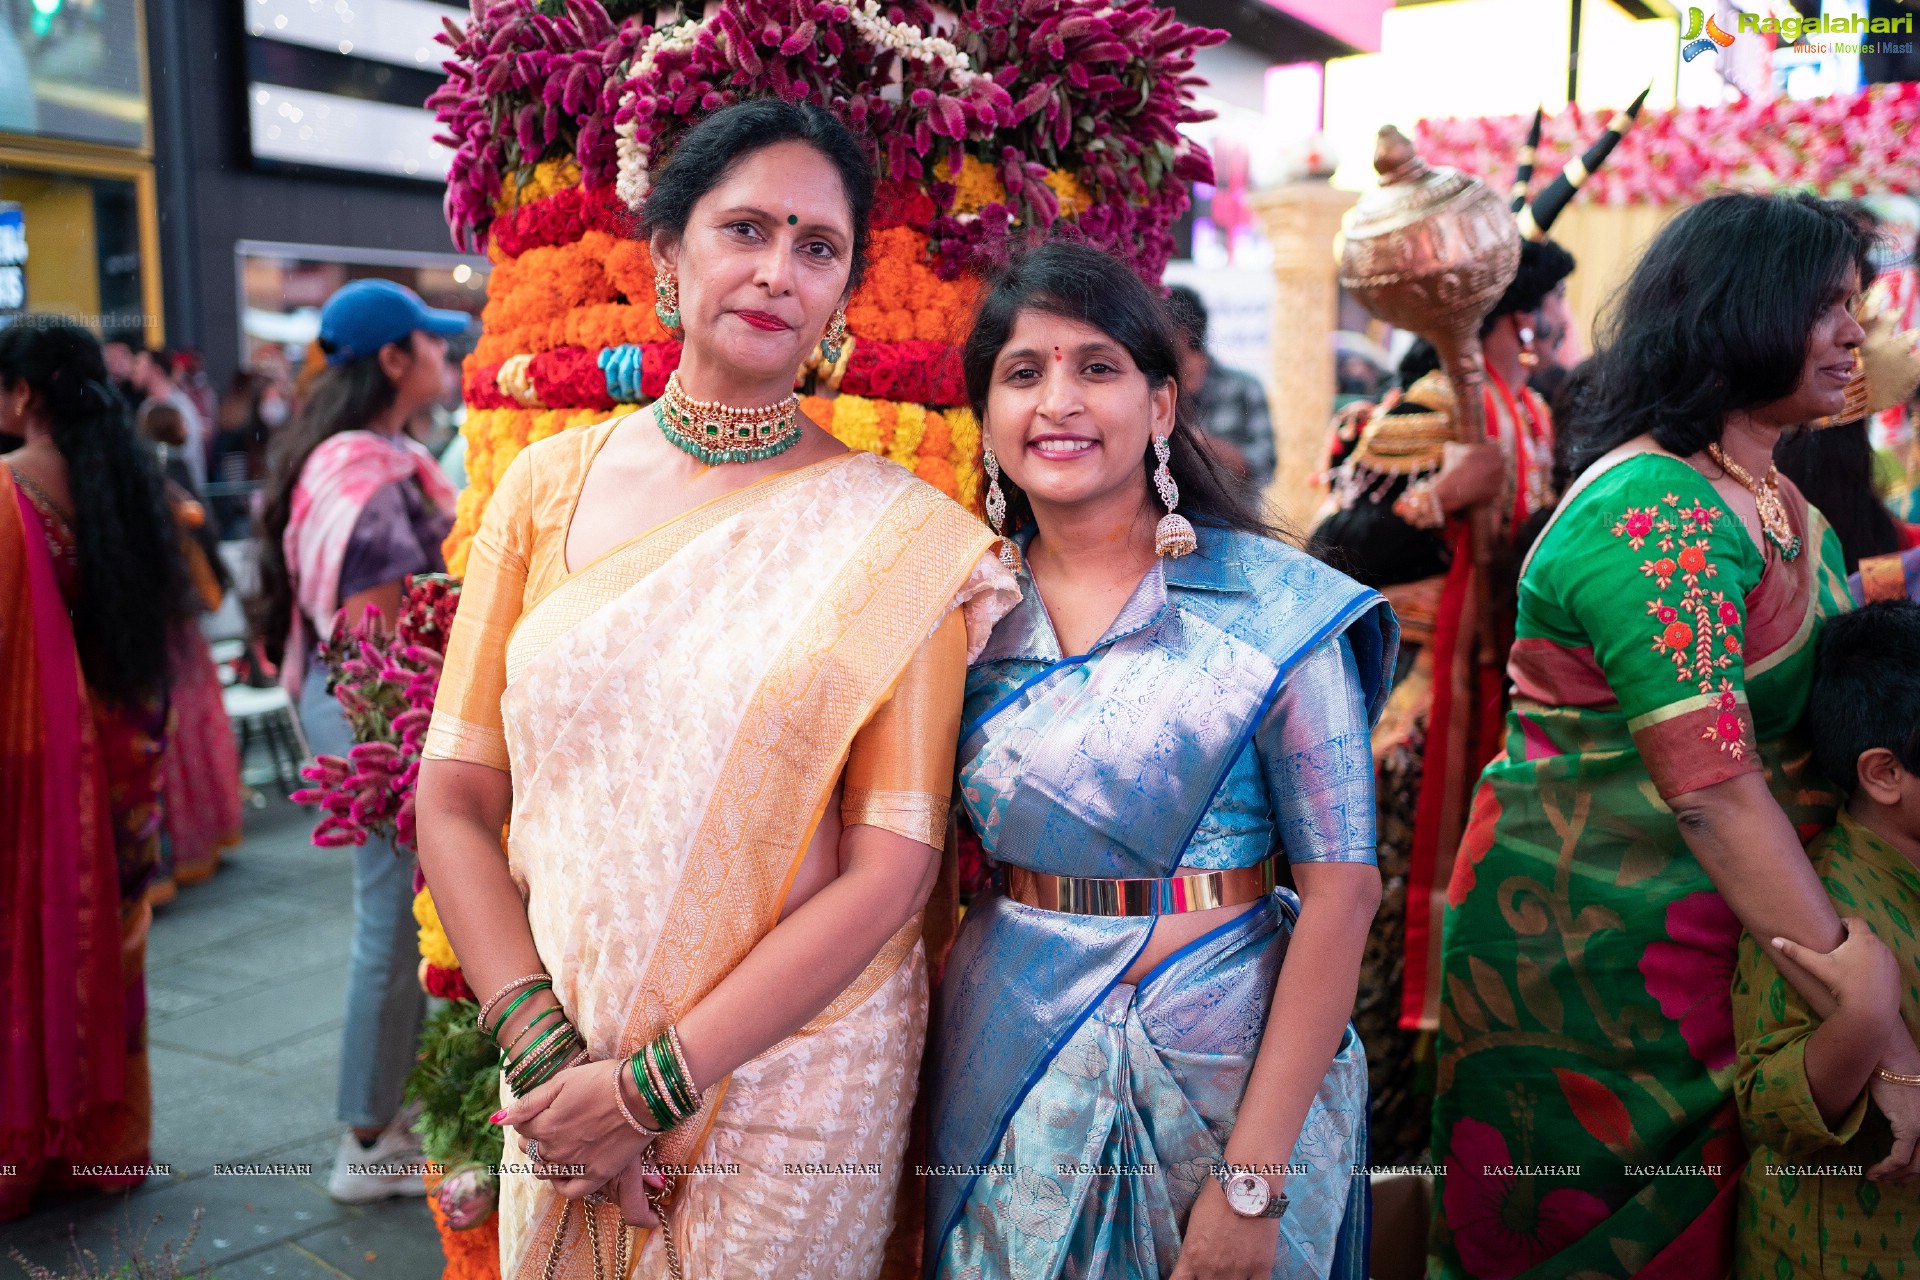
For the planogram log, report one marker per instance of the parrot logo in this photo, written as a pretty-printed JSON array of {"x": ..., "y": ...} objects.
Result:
[{"x": 1694, "y": 42}]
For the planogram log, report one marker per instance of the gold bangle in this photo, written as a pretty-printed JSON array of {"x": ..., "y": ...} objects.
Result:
[
  {"x": 680, "y": 1059},
  {"x": 1894, "y": 1077},
  {"x": 660, "y": 1088},
  {"x": 486, "y": 1010},
  {"x": 620, "y": 1101}
]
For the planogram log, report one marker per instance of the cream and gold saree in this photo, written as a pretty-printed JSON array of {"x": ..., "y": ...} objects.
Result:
[{"x": 676, "y": 717}]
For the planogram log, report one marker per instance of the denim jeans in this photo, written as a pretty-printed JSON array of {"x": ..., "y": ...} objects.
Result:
[{"x": 384, "y": 1001}]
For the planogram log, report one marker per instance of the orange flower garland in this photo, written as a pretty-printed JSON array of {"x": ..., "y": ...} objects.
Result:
[
  {"x": 473, "y": 1254},
  {"x": 902, "y": 300}
]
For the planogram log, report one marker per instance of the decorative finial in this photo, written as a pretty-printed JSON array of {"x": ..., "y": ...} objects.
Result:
[{"x": 1394, "y": 158}]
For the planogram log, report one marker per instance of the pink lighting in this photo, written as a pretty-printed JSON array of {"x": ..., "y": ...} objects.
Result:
[
  {"x": 1293, "y": 98},
  {"x": 1355, "y": 21}
]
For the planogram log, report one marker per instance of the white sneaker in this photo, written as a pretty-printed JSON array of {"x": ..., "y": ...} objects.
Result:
[{"x": 392, "y": 1166}]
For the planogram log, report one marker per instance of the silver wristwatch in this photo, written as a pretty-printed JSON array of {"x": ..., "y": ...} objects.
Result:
[{"x": 1248, "y": 1194}]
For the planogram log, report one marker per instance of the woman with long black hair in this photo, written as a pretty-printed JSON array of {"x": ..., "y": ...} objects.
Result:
[
  {"x": 353, "y": 507},
  {"x": 1651, "y": 800},
  {"x": 90, "y": 583}
]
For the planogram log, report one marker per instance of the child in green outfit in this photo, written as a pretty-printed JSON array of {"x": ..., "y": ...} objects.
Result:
[{"x": 1819, "y": 1195}]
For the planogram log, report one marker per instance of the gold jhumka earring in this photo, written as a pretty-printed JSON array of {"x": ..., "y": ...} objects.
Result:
[{"x": 1174, "y": 536}]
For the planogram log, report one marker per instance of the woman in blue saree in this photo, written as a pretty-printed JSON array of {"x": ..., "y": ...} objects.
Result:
[{"x": 1168, "y": 714}]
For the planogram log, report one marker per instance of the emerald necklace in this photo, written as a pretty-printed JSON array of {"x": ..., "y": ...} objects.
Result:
[{"x": 717, "y": 433}]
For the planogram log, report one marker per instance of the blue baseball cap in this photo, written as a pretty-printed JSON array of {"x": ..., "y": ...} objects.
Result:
[{"x": 365, "y": 315}]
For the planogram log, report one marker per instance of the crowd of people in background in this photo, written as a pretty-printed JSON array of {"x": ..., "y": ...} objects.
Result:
[
  {"x": 131, "y": 499},
  {"x": 1591, "y": 814}
]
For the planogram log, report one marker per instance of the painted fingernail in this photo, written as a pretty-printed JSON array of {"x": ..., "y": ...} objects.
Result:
[{"x": 497, "y": 1116}]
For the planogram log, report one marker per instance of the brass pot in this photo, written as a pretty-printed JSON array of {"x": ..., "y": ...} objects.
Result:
[{"x": 1431, "y": 251}]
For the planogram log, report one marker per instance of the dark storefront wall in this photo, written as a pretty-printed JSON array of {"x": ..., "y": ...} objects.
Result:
[{"x": 212, "y": 197}]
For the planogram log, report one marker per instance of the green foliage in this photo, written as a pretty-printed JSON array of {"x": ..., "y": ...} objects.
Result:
[{"x": 456, "y": 1081}]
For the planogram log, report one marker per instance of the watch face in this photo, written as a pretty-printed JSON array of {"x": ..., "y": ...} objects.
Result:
[{"x": 1247, "y": 1194}]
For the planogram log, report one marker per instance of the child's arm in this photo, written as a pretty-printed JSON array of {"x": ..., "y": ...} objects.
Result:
[{"x": 1802, "y": 1081}]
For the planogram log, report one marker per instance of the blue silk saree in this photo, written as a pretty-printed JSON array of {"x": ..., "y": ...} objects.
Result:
[{"x": 1224, "y": 716}]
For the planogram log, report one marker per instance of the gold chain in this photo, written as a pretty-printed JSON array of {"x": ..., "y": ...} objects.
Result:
[
  {"x": 657, "y": 1200},
  {"x": 593, "y": 1243},
  {"x": 1767, "y": 502}
]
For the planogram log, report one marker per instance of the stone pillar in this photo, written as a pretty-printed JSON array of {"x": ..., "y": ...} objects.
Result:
[{"x": 1301, "y": 219}]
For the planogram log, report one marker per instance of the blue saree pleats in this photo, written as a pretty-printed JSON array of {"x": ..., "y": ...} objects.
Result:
[{"x": 1103, "y": 1158}]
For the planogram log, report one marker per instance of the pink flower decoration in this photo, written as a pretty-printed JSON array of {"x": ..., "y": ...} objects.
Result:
[
  {"x": 1729, "y": 614},
  {"x": 1488, "y": 1217},
  {"x": 1639, "y": 524},
  {"x": 1690, "y": 974}
]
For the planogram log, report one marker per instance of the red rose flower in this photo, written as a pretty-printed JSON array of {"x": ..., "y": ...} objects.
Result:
[
  {"x": 570, "y": 378},
  {"x": 1663, "y": 567},
  {"x": 1729, "y": 613},
  {"x": 1728, "y": 726},
  {"x": 1678, "y": 635},
  {"x": 1732, "y": 642},
  {"x": 1667, "y": 613},
  {"x": 1639, "y": 523},
  {"x": 657, "y": 361},
  {"x": 1693, "y": 559}
]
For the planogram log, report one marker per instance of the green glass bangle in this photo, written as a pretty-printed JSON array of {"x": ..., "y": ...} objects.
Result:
[
  {"x": 676, "y": 1077},
  {"x": 536, "y": 1054},
  {"x": 550, "y": 1068},
  {"x": 518, "y": 1000},
  {"x": 538, "y": 1018},
  {"x": 660, "y": 1089},
  {"x": 662, "y": 1114},
  {"x": 540, "y": 1068},
  {"x": 655, "y": 1107},
  {"x": 676, "y": 1084},
  {"x": 526, "y": 1054}
]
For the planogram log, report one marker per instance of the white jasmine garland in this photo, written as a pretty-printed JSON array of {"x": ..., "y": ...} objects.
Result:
[
  {"x": 630, "y": 174},
  {"x": 631, "y": 178}
]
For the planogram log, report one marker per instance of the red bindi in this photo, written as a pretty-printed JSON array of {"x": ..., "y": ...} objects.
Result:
[{"x": 1057, "y": 355}]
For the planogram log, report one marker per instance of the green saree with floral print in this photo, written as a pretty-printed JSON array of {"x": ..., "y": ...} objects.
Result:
[{"x": 1584, "y": 1116}]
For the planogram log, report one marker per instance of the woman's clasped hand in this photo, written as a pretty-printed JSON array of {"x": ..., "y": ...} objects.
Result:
[{"x": 585, "y": 1146}]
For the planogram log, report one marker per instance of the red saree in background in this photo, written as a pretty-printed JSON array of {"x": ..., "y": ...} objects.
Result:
[{"x": 79, "y": 823}]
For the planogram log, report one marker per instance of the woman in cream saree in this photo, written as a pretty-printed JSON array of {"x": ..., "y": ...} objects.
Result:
[
  {"x": 676, "y": 717},
  {"x": 690, "y": 718}
]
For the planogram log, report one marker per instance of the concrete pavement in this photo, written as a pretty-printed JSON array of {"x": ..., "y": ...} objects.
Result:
[{"x": 246, "y": 983}]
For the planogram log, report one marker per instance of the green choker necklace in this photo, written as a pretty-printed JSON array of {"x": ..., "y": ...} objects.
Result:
[{"x": 719, "y": 433}]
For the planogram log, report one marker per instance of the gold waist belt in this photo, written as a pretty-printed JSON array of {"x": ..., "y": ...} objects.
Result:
[{"x": 1096, "y": 896}]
